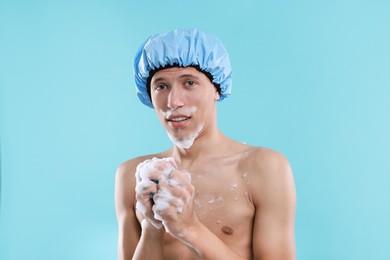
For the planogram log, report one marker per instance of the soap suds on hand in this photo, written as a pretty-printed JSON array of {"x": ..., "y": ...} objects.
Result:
[{"x": 144, "y": 180}]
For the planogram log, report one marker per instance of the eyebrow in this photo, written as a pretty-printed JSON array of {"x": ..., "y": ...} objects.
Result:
[
  {"x": 180, "y": 77},
  {"x": 188, "y": 76}
]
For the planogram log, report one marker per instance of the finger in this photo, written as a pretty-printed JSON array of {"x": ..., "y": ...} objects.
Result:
[
  {"x": 144, "y": 206},
  {"x": 145, "y": 187},
  {"x": 178, "y": 185},
  {"x": 183, "y": 177},
  {"x": 165, "y": 197},
  {"x": 165, "y": 167},
  {"x": 162, "y": 166},
  {"x": 166, "y": 205},
  {"x": 177, "y": 191},
  {"x": 154, "y": 176}
]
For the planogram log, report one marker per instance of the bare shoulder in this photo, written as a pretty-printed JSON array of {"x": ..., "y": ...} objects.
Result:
[
  {"x": 271, "y": 172},
  {"x": 126, "y": 170},
  {"x": 266, "y": 162},
  {"x": 125, "y": 184}
]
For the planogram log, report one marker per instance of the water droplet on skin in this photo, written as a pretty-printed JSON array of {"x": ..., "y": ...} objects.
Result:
[
  {"x": 218, "y": 200},
  {"x": 244, "y": 175},
  {"x": 233, "y": 186},
  {"x": 197, "y": 203}
]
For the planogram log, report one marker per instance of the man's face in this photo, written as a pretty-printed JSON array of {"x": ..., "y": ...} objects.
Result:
[{"x": 184, "y": 99}]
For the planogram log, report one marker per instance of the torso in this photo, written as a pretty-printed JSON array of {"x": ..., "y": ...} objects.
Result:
[{"x": 223, "y": 201}]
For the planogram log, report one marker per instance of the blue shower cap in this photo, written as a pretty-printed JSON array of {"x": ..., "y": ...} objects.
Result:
[{"x": 183, "y": 47}]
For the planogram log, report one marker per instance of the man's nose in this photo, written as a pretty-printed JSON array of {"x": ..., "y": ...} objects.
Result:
[{"x": 175, "y": 98}]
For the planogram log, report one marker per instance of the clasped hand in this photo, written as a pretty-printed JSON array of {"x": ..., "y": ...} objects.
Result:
[{"x": 165, "y": 195}]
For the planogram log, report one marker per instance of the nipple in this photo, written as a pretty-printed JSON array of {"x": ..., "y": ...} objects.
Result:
[{"x": 227, "y": 230}]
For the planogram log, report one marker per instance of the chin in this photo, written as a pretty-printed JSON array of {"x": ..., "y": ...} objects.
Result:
[{"x": 185, "y": 142}]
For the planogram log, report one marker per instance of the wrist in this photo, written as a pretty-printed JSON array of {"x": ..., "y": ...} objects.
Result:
[
  {"x": 191, "y": 237},
  {"x": 191, "y": 232},
  {"x": 150, "y": 231}
]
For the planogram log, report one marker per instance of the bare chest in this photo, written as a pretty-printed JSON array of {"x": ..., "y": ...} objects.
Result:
[{"x": 223, "y": 204}]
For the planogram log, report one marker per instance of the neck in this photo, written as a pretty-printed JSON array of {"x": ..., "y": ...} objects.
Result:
[{"x": 207, "y": 144}]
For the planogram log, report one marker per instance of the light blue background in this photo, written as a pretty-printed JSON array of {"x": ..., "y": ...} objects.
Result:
[{"x": 311, "y": 79}]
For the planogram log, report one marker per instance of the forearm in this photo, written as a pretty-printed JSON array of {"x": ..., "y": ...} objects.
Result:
[
  {"x": 150, "y": 245},
  {"x": 207, "y": 245}
]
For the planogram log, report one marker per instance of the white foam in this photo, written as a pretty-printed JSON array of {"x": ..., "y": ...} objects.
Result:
[
  {"x": 164, "y": 198},
  {"x": 187, "y": 141},
  {"x": 143, "y": 169},
  {"x": 233, "y": 186},
  {"x": 187, "y": 111},
  {"x": 218, "y": 200},
  {"x": 174, "y": 182},
  {"x": 142, "y": 174},
  {"x": 197, "y": 203},
  {"x": 162, "y": 202}
]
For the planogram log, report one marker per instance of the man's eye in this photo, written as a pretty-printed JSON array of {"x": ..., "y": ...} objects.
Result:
[
  {"x": 190, "y": 83},
  {"x": 160, "y": 87}
]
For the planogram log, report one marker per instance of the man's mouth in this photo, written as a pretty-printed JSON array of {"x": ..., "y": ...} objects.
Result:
[{"x": 178, "y": 119}]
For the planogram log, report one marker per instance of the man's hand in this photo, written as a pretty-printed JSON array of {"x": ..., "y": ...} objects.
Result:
[
  {"x": 174, "y": 203},
  {"x": 149, "y": 173}
]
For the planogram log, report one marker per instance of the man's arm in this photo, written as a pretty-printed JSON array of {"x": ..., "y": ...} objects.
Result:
[
  {"x": 128, "y": 227},
  {"x": 134, "y": 242},
  {"x": 274, "y": 199}
]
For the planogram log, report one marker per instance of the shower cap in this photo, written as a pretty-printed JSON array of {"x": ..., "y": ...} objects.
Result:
[{"x": 184, "y": 48}]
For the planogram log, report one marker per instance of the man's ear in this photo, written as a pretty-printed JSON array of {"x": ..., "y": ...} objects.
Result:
[{"x": 216, "y": 95}]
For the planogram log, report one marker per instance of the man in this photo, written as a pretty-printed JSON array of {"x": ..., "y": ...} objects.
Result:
[{"x": 208, "y": 197}]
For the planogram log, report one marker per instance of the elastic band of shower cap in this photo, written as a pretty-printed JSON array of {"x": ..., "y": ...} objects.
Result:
[{"x": 183, "y": 48}]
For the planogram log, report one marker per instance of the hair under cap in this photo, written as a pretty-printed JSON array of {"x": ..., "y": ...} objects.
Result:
[{"x": 182, "y": 47}]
